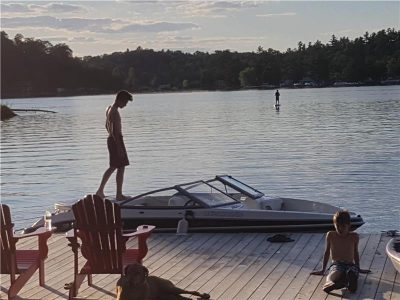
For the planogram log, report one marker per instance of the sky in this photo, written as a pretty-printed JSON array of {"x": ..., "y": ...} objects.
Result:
[{"x": 103, "y": 27}]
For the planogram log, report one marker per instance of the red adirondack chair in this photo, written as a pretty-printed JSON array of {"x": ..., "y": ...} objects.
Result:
[
  {"x": 98, "y": 225},
  {"x": 23, "y": 262}
]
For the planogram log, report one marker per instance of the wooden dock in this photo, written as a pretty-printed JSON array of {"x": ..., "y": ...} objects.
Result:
[{"x": 227, "y": 266}]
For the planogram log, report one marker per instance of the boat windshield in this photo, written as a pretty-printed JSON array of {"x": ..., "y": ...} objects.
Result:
[
  {"x": 244, "y": 188},
  {"x": 208, "y": 194}
]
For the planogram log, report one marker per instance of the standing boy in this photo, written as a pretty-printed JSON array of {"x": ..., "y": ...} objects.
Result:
[
  {"x": 115, "y": 143},
  {"x": 342, "y": 246}
]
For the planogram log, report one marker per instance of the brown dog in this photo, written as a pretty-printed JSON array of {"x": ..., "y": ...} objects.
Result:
[{"x": 138, "y": 285}]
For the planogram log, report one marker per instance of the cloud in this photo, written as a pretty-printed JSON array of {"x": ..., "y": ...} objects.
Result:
[
  {"x": 286, "y": 14},
  {"x": 218, "y": 42},
  {"x": 154, "y": 27},
  {"x": 237, "y": 39},
  {"x": 82, "y": 39},
  {"x": 104, "y": 25},
  {"x": 62, "y": 8},
  {"x": 214, "y": 9},
  {"x": 15, "y": 8},
  {"x": 53, "y": 7},
  {"x": 72, "y": 24}
]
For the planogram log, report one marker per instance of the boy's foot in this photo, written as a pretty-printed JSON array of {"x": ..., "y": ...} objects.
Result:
[
  {"x": 100, "y": 194},
  {"x": 329, "y": 287},
  {"x": 122, "y": 198}
]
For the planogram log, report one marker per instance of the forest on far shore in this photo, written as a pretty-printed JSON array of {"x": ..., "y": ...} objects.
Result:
[{"x": 31, "y": 67}]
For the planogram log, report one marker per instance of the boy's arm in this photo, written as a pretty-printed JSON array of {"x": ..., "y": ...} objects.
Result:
[
  {"x": 116, "y": 132},
  {"x": 115, "y": 124},
  {"x": 357, "y": 256},
  {"x": 326, "y": 256}
]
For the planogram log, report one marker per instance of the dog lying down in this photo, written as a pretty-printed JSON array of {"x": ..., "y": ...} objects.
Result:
[{"x": 138, "y": 285}]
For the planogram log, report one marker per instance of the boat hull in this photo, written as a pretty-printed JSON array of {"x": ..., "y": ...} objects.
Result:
[
  {"x": 393, "y": 254},
  {"x": 202, "y": 220},
  {"x": 239, "y": 226}
]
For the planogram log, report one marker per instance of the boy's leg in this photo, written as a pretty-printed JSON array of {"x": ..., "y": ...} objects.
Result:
[
  {"x": 106, "y": 176},
  {"x": 352, "y": 281},
  {"x": 335, "y": 280},
  {"x": 120, "y": 181}
]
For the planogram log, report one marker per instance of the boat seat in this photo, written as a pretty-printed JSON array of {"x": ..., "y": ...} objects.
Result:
[
  {"x": 178, "y": 200},
  {"x": 270, "y": 203},
  {"x": 250, "y": 203}
]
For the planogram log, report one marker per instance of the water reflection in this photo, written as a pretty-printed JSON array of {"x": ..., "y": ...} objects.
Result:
[{"x": 331, "y": 145}]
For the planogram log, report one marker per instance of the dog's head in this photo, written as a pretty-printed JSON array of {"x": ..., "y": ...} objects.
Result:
[{"x": 136, "y": 274}]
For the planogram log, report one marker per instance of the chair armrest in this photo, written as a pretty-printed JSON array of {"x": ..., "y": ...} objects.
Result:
[
  {"x": 38, "y": 232},
  {"x": 43, "y": 235},
  {"x": 142, "y": 233},
  {"x": 141, "y": 230},
  {"x": 73, "y": 242}
]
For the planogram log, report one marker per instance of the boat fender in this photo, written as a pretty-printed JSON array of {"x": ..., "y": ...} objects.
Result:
[{"x": 183, "y": 226}]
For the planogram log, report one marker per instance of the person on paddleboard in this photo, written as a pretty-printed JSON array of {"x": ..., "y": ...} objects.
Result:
[{"x": 277, "y": 97}]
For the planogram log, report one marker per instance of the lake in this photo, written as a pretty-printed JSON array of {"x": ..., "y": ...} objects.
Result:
[{"x": 334, "y": 145}]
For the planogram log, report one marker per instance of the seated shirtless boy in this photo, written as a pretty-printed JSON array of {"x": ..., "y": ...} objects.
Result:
[{"x": 342, "y": 246}]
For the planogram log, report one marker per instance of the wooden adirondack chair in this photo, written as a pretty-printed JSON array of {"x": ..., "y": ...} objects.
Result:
[
  {"x": 98, "y": 225},
  {"x": 23, "y": 262}
]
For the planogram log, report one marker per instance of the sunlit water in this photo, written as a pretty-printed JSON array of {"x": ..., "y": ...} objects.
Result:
[{"x": 334, "y": 145}]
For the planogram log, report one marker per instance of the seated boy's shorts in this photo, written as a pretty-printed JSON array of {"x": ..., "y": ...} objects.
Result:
[
  {"x": 344, "y": 267},
  {"x": 117, "y": 161}
]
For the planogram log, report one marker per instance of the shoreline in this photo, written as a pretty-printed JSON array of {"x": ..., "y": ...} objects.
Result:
[{"x": 103, "y": 92}]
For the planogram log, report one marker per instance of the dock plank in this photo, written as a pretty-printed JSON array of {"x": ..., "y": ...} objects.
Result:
[
  {"x": 396, "y": 288},
  {"x": 373, "y": 279},
  {"x": 366, "y": 262},
  {"x": 303, "y": 271},
  {"x": 270, "y": 281},
  {"x": 259, "y": 260},
  {"x": 237, "y": 266},
  {"x": 265, "y": 270},
  {"x": 196, "y": 275},
  {"x": 387, "y": 280},
  {"x": 224, "y": 266},
  {"x": 229, "y": 266}
]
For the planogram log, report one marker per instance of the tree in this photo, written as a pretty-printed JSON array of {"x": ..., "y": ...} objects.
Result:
[
  {"x": 32, "y": 67},
  {"x": 248, "y": 77}
]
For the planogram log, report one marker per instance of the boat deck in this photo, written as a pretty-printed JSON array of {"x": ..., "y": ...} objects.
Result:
[{"x": 227, "y": 266}]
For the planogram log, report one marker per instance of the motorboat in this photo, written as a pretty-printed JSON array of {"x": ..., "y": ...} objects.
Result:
[
  {"x": 393, "y": 252},
  {"x": 220, "y": 204}
]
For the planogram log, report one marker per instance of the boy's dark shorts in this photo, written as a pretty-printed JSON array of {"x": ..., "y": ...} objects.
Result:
[
  {"x": 117, "y": 161},
  {"x": 344, "y": 267}
]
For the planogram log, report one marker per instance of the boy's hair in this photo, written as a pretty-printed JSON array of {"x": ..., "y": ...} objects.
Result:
[
  {"x": 341, "y": 217},
  {"x": 123, "y": 95}
]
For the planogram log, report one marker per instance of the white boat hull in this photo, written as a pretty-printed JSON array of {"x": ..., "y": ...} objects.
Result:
[{"x": 393, "y": 254}]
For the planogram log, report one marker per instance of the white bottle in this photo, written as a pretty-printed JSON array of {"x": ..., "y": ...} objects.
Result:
[{"x": 47, "y": 220}]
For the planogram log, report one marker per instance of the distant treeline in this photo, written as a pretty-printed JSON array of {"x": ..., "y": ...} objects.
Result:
[{"x": 32, "y": 67}]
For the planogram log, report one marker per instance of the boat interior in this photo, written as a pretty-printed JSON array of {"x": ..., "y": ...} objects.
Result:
[{"x": 264, "y": 203}]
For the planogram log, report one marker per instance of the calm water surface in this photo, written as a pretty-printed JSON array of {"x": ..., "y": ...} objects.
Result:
[{"x": 334, "y": 145}]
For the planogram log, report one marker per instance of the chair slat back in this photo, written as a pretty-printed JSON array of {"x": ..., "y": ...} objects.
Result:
[
  {"x": 99, "y": 226},
  {"x": 7, "y": 255}
]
